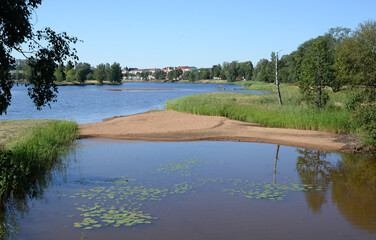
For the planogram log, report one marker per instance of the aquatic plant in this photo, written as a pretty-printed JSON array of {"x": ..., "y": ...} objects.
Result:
[{"x": 119, "y": 201}]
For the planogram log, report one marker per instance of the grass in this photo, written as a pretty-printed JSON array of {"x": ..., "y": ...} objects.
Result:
[
  {"x": 264, "y": 109},
  {"x": 30, "y": 149},
  {"x": 269, "y": 87}
]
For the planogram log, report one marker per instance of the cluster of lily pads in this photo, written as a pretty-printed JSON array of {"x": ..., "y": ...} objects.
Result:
[
  {"x": 117, "y": 202},
  {"x": 269, "y": 191},
  {"x": 184, "y": 167}
]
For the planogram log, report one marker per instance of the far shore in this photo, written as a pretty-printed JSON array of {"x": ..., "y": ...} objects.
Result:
[
  {"x": 139, "y": 89},
  {"x": 171, "y": 126}
]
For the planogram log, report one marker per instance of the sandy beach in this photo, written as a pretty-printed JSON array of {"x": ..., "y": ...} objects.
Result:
[{"x": 171, "y": 126}]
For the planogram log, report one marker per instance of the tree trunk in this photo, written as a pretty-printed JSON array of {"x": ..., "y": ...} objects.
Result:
[
  {"x": 275, "y": 167},
  {"x": 276, "y": 79}
]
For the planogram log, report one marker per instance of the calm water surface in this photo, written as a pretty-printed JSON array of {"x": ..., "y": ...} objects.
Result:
[
  {"x": 86, "y": 104},
  {"x": 205, "y": 190},
  {"x": 109, "y": 189}
]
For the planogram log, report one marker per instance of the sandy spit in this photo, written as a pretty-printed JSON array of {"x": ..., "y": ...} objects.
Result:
[{"x": 171, "y": 126}]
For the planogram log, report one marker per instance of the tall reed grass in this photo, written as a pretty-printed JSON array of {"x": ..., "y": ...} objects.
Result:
[
  {"x": 33, "y": 153},
  {"x": 264, "y": 109}
]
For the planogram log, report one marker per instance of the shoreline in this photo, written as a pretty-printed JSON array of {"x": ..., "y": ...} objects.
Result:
[{"x": 171, "y": 126}]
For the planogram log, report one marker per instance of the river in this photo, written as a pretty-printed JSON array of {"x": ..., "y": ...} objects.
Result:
[{"x": 188, "y": 190}]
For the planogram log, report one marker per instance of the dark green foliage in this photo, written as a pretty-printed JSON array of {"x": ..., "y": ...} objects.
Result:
[
  {"x": 356, "y": 67},
  {"x": 186, "y": 75},
  {"x": 60, "y": 73},
  {"x": 90, "y": 76},
  {"x": 81, "y": 75},
  {"x": 315, "y": 69},
  {"x": 16, "y": 31},
  {"x": 261, "y": 72},
  {"x": 174, "y": 74},
  {"x": 217, "y": 70},
  {"x": 82, "y": 71},
  {"x": 192, "y": 76},
  {"x": 159, "y": 75},
  {"x": 356, "y": 57},
  {"x": 100, "y": 73},
  {"x": 69, "y": 66},
  {"x": 115, "y": 73},
  {"x": 204, "y": 73},
  {"x": 364, "y": 117}
]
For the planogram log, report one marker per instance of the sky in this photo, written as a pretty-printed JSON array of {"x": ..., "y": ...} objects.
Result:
[{"x": 148, "y": 34}]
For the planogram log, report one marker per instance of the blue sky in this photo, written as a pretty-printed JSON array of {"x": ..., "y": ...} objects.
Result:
[{"x": 147, "y": 34}]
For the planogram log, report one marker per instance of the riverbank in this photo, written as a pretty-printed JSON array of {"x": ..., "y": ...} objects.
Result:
[
  {"x": 171, "y": 126},
  {"x": 29, "y": 148}
]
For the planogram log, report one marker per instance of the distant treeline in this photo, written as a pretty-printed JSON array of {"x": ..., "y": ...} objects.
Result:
[{"x": 79, "y": 72}]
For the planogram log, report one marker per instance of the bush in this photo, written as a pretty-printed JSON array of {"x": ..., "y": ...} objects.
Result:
[{"x": 364, "y": 118}]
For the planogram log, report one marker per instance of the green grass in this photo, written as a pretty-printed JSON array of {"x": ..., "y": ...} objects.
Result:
[
  {"x": 264, "y": 109},
  {"x": 31, "y": 149},
  {"x": 269, "y": 87}
]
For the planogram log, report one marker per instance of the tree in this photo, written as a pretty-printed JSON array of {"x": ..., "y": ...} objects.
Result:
[
  {"x": 69, "y": 66},
  {"x": 217, "y": 70},
  {"x": 81, "y": 75},
  {"x": 82, "y": 71},
  {"x": 232, "y": 70},
  {"x": 356, "y": 67},
  {"x": 71, "y": 75},
  {"x": 246, "y": 69},
  {"x": 192, "y": 75},
  {"x": 186, "y": 75},
  {"x": 356, "y": 57},
  {"x": 145, "y": 75},
  {"x": 204, "y": 73},
  {"x": 59, "y": 73},
  {"x": 260, "y": 71},
  {"x": 100, "y": 73},
  {"x": 115, "y": 73},
  {"x": 45, "y": 49},
  {"x": 107, "y": 71},
  {"x": 174, "y": 74},
  {"x": 316, "y": 70}
]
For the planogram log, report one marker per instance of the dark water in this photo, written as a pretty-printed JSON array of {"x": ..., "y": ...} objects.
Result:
[
  {"x": 195, "y": 190},
  {"x": 205, "y": 190},
  {"x": 86, "y": 104}
]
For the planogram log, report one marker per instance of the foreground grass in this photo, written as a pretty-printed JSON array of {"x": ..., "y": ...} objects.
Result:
[
  {"x": 264, "y": 109},
  {"x": 31, "y": 148}
]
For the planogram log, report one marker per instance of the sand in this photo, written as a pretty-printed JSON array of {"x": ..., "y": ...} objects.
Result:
[{"x": 171, "y": 126}]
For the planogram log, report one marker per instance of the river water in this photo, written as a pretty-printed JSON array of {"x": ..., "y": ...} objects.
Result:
[{"x": 190, "y": 190}]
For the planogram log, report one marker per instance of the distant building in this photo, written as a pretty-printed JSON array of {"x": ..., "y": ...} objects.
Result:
[
  {"x": 186, "y": 68},
  {"x": 153, "y": 70},
  {"x": 167, "y": 69}
]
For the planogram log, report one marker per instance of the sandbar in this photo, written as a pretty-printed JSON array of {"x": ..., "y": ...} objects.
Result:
[{"x": 171, "y": 126}]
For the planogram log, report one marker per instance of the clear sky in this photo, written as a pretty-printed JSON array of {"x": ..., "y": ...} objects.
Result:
[{"x": 201, "y": 33}]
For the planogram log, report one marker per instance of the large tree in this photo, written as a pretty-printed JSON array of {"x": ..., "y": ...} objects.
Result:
[
  {"x": 356, "y": 67},
  {"x": 315, "y": 69},
  {"x": 44, "y": 49},
  {"x": 100, "y": 73},
  {"x": 115, "y": 73},
  {"x": 356, "y": 57}
]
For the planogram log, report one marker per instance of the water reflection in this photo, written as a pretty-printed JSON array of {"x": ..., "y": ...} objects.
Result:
[
  {"x": 354, "y": 190},
  {"x": 314, "y": 170},
  {"x": 15, "y": 202},
  {"x": 352, "y": 182}
]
